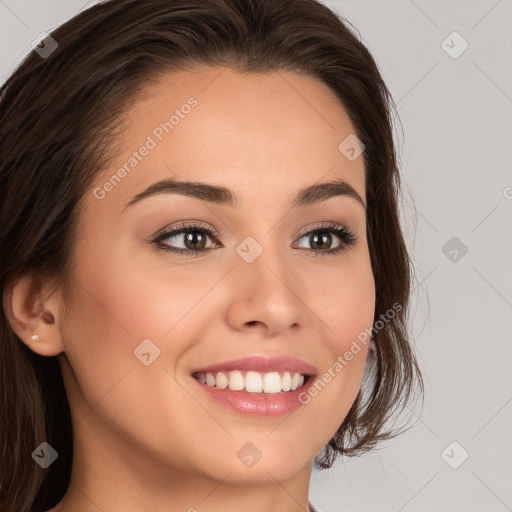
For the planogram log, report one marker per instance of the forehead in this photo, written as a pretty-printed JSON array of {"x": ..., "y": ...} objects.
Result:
[{"x": 259, "y": 134}]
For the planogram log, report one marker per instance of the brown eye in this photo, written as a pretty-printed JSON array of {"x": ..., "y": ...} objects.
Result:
[
  {"x": 321, "y": 238},
  {"x": 193, "y": 240},
  {"x": 186, "y": 239}
]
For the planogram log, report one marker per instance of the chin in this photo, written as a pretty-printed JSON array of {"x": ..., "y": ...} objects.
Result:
[{"x": 250, "y": 464}]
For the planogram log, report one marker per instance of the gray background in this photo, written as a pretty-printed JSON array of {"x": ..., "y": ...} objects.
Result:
[{"x": 456, "y": 155}]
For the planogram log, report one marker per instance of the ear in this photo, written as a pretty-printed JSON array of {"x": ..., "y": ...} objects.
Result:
[{"x": 31, "y": 309}]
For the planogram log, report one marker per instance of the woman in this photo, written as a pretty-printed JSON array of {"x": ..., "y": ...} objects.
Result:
[{"x": 205, "y": 283}]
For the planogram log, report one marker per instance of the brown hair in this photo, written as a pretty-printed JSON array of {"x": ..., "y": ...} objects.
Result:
[{"x": 59, "y": 117}]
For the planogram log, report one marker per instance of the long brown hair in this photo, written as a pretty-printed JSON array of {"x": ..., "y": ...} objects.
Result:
[{"x": 59, "y": 117}]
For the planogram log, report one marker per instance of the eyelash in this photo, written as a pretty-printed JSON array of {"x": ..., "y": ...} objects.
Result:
[{"x": 347, "y": 238}]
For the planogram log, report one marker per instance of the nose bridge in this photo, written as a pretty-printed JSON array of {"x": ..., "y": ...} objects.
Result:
[
  {"x": 263, "y": 291},
  {"x": 262, "y": 258}
]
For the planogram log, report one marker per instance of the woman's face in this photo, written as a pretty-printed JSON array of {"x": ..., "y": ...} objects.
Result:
[{"x": 144, "y": 319}]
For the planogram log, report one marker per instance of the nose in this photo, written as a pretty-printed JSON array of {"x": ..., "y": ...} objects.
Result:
[{"x": 265, "y": 297}]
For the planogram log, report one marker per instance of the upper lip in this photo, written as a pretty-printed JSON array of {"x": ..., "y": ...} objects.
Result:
[{"x": 263, "y": 364}]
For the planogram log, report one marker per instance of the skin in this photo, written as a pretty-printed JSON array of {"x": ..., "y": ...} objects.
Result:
[{"x": 146, "y": 437}]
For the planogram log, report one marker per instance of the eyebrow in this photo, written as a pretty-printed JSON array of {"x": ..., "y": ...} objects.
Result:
[{"x": 222, "y": 195}]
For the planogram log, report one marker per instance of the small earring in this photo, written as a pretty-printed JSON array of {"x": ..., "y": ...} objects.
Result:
[{"x": 35, "y": 337}]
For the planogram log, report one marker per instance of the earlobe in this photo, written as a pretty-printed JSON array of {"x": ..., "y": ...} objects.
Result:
[{"x": 32, "y": 315}]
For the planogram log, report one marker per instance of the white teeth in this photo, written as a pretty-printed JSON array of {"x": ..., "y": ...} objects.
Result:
[
  {"x": 236, "y": 381},
  {"x": 295, "y": 381},
  {"x": 286, "y": 381},
  {"x": 222, "y": 381},
  {"x": 272, "y": 382},
  {"x": 253, "y": 382}
]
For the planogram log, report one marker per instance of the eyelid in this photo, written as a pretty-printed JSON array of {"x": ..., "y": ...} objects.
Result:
[
  {"x": 185, "y": 225},
  {"x": 314, "y": 226},
  {"x": 330, "y": 224}
]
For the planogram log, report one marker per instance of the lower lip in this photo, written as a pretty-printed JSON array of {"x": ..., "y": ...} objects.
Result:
[{"x": 258, "y": 404}]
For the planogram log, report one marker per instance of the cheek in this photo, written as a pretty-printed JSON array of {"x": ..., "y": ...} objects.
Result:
[
  {"x": 344, "y": 301},
  {"x": 345, "y": 305},
  {"x": 125, "y": 301},
  {"x": 118, "y": 305},
  {"x": 121, "y": 303},
  {"x": 113, "y": 312}
]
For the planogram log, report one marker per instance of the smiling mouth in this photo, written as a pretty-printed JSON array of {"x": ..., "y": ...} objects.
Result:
[{"x": 252, "y": 381}]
